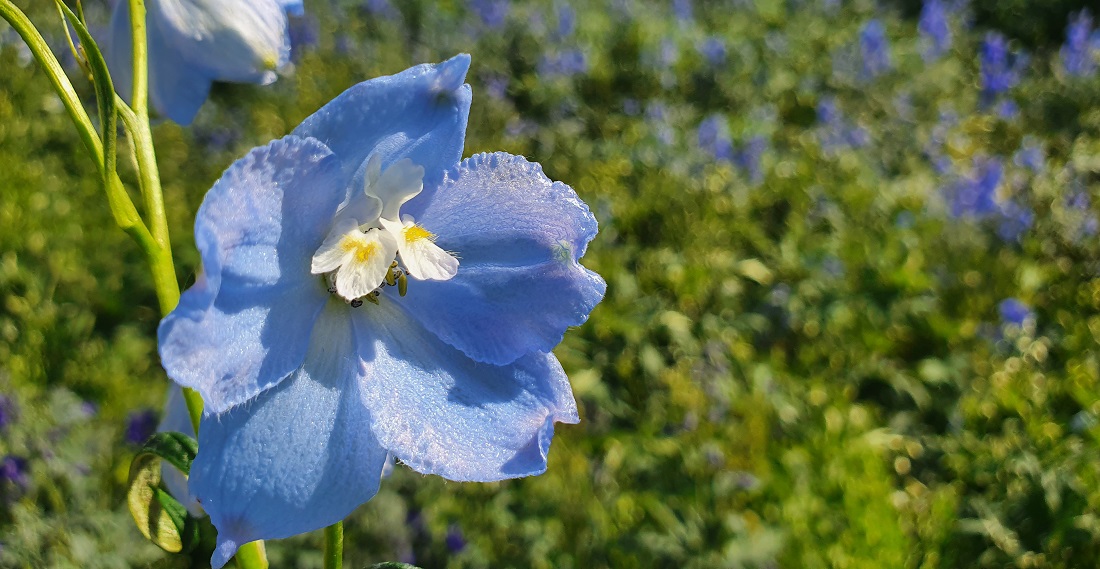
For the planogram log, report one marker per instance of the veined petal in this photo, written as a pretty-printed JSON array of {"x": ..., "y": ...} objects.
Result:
[
  {"x": 228, "y": 40},
  {"x": 518, "y": 237},
  {"x": 419, "y": 114},
  {"x": 442, "y": 413},
  {"x": 300, "y": 457},
  {"x": 245, "y": 324}
]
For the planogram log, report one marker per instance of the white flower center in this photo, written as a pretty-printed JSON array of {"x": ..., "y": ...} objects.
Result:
[{"x": 371, "y": 245}]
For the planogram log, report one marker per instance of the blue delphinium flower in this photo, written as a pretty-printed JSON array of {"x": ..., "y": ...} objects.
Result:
[
  {"x": 874, "y": 50},
  {"x": 567, "y": 22},
  {"x": 683, "y": 11},
  {"x": 1000, "y": 69},
  {"x": 14, "y": 470},
  {"x": 193, "y": 43},
  {"x": 1077, "y": 52},
  {"x": 1014, "y": 312},
  {"x": 364, "y": 294},
  {"x": 935, "y": 30}
]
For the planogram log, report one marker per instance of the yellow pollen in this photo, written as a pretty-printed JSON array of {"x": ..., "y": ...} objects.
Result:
[
  {"x": 416, "y": 233},
  {"x": 364, "y": 253}
]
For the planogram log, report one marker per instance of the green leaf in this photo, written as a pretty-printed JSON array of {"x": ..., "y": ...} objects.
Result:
[
  {"x": 159, "y": 516},
  {"x": 104, "y": 92},
  {"x": 392, "y": 565}
]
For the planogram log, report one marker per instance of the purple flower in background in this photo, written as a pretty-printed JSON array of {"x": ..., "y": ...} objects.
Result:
[
  {"x": 140, "y": 425},
  {"x": 1013, "y": 312},
  {"x": 714, "y": 138},
  {"x": 935, "y": 30},
  {"x": 656, "y": 115},
  {"x": 976, "y": 195},
  {"x": 7, "y": 411},
  {"x": 493, "y": 13},
  {"x": 1000, "y": 69},
  {"x": 454, "y": 539},
  {"x": 13, "y": 469},
  {"x": 364, "y": 294},
  {"x": 874, "y": 50},
  {"x": 713, "y": 49},
  {"x": 193, "y": 43},
  {"x": 1077, "y": 53}
]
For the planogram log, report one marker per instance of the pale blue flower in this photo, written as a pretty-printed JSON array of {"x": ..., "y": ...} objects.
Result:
[
  {"x": 192, "y": 43},
  {"x": 314, "y": 360}
]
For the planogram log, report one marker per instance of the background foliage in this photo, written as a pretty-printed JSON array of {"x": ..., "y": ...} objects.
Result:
[{"x": 812, "y": 216}]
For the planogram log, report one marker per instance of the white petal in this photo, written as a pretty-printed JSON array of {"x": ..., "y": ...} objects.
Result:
[
  {"x": 419, "y": 254},
  {"x": 366, "y": 267},
  {"x": 330, "y": 255},
  {"x": 397, "y": 184}
]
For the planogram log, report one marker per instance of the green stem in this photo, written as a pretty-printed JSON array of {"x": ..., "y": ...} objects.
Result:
[
  {"x": 334, "y": 546},
  {"x": 252, "y": 555}
]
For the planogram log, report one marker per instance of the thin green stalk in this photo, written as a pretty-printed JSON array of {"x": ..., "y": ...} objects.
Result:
[{"x": 334, "y": 546}]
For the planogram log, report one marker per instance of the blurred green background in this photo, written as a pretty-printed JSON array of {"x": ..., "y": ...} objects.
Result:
[{"x": 853, "y": 286}]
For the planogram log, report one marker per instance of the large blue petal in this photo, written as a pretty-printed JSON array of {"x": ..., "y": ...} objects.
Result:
[
  {"x": 176, "y": 88},
  {"x": 300, "y": 457},
  {"x": 420, "y": 114},
  {"x": 442, "y": 413},
  {"x": 518, "y": 237},
  {"x": 245, "y": 324}
]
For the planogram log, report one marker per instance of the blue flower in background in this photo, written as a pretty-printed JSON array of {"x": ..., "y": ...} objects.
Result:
[
  {"x": 714, "y": 138},
  {"x": 492, "y": 13},
  {"x": 1014, "y": 220},
  {"x": 748, "y": 157},
  {"x": 366, "y": 294},
  {"x": 13, "y": 470},
  {"x": 1000, "y": 69},
  {"x": 713, "y": 49},
  {"x": 565, "y": 63},
  {"x": 1014, "y": 312},
  {"x": 193, "y": 43},
  {"x": 683, "y": 11},
  {"x": 976, "y": 195},
  {"x": 1031, "y": 156},
  {"x": 874, "y": 50},
  {"x": 934, "y": 29},
  {"x": 836, "y": 132},
  {"x": 1078, "y": 51}
]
